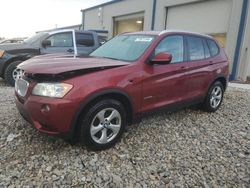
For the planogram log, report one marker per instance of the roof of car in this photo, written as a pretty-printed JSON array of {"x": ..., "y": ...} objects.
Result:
[
  {"x": 68, "y": 30},
  {"x": 168, "y": 31},
  {"x": 60, "y": 31}
]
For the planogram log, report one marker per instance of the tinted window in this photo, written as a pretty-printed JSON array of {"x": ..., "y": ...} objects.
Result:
[
  {"x": 207, "y": 53},
  {"x": 214, "y": 50},
  {"x": 84, "y": 39},
  {"x": 61, "y": 40},
  {"x": 172, "y": 45},
  {"x": 195, "y": 48}
]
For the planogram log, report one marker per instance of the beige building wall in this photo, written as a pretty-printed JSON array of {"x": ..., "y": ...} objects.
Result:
[{"x": 103, "y": 18}]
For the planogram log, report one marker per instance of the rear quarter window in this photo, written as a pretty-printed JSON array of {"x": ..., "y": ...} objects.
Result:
[{"x": 213, "y": 47}]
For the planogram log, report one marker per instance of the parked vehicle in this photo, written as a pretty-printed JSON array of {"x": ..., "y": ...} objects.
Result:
[
  {"x": 8, "y": 41},
  {"x": 61, "y": 41},
  {"x": 93, "y": 99}
]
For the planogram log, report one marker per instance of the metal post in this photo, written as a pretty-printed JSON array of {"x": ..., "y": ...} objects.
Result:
[
  {"x": 239, "y": 38},
  {"x": 83, "y": 18},
  {"x": 153, "y": 15}
]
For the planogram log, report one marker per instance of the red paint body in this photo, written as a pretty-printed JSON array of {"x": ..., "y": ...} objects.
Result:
[{"x": 147, "y": 86}]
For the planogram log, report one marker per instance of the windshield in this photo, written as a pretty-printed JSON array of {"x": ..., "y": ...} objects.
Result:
[
  {"x": 34, "y": 38},
  {"x": 124, "y": 47}
]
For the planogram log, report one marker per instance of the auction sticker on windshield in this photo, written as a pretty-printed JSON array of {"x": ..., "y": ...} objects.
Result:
[{"x": 143, "y": 39}]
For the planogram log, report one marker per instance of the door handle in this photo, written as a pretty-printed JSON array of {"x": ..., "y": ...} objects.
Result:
[
  {"x": 184, "y": 67},
  {"x": 70, "y": 50}
]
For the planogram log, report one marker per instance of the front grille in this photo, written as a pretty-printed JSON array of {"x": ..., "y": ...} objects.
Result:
[{"x": 21, "y": 87}]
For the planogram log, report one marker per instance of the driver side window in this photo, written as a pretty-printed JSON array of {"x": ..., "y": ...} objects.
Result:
[
  {"x": 173, "y": 45},
  {"x": 61, "y": 40}
]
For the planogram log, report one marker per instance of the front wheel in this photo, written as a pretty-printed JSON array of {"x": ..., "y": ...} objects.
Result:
[
  {"x": 103, "y": 124},
  {"x": 214, "y": 97}
]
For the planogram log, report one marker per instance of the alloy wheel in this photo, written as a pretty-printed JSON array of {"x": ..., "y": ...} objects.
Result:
[
  {"x": 17, "y": 73},
  {"x": 105, "y": 126},
  {"x": 216, "y": 97}
]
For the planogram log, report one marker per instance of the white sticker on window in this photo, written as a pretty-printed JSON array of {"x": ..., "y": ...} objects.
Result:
[{"x": 147, "y": 39}]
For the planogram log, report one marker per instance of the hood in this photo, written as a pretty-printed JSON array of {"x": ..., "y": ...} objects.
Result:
[
  {"x": 14, "y": 46},
  {"x": 61, "y": 63}
]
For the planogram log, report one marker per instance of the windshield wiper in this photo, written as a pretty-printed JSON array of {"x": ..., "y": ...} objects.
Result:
[{"x": 108, "y": 58}]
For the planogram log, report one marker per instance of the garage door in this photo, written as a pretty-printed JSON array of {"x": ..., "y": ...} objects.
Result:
[
  {"x": 209, "y": 17},
  {"x": 128, "y": 23}
]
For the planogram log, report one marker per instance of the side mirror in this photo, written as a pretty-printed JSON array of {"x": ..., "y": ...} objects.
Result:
[
  {"x": 46, "y": 43},
  {"x": 161, "y": 58}
]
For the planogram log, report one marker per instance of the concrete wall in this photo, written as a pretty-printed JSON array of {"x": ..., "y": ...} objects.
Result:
[{"x": 108, "y": 13}]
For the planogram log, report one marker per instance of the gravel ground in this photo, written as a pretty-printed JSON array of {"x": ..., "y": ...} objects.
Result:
[{"x": 188, "y": 148}]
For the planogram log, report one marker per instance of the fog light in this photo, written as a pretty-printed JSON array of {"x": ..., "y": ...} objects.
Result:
[{"x": 45, "y": 108}]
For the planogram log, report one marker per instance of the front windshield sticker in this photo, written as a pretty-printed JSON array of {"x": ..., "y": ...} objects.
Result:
[{"x": 144, "y": 39}]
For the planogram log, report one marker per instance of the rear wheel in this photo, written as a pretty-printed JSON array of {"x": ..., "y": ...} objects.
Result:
[
  {"x": 103, "y": 124},
  {"x": 214, "y": 97},
  {"x": 11, "y": 73}
]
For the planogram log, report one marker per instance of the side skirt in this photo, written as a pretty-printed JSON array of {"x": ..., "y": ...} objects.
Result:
[{"x": 168, "y": 108}]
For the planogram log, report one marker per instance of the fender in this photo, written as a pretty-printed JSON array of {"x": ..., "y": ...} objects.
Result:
[{"x": 91, "y": 98}]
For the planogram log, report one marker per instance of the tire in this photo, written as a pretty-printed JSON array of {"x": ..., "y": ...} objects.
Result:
[
  {"x": 214, "y": 97},
  {"x": 8, "y": 73},
  {"x": 106, "y": 117}
]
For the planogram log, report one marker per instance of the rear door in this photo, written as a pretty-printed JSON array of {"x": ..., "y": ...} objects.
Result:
[
  {"x": 166, "y": 84},
  {"x": 85, "y": 43},
  {"x": 60, "y": 43},
  {"x": 199, "y": 73}
]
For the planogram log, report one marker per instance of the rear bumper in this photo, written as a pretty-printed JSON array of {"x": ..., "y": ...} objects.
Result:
[{"x": 47, "y": 115}]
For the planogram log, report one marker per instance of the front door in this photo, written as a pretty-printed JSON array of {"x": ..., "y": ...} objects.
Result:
[
  {"x": 165, "y": 84},
  {"x": 60, "y": 43}
]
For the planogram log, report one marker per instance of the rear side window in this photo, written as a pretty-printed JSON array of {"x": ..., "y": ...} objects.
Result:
[
  {"x": 172, "y": 45},
  {"x": 84, "y": 39},
  {"x": 195, "y": 48},
  {"x": 214, "y": 49}
]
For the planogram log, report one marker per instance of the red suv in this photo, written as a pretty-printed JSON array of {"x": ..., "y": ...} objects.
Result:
[{"x": 92, "y": 99}]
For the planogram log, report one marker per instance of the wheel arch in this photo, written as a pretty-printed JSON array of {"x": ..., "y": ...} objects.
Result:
[
  {"x": 221, "y": 79},
  {"x": 18, "y": 55},
  {"x": 11, "y": 60},
  {"x": 116, "y": 94}
]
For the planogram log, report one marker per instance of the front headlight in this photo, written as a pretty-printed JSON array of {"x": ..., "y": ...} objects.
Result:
[
  {"x": 1, "y": 53},
  {"x": 57, "y": 90}
]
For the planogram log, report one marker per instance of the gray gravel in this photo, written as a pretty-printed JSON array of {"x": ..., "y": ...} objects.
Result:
[{"x": 188, "y": 148}]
